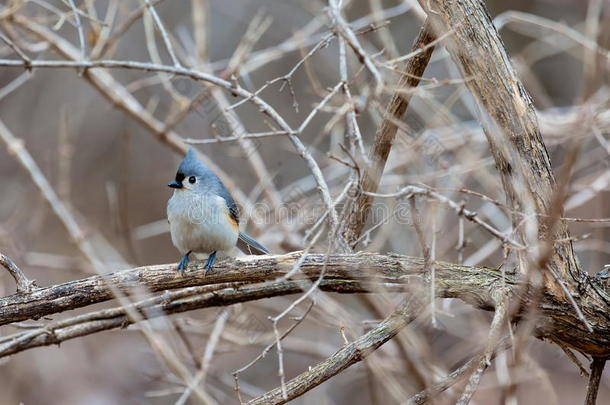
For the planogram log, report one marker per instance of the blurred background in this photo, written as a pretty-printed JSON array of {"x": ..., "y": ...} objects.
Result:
[{"x": 112, "y": 171}]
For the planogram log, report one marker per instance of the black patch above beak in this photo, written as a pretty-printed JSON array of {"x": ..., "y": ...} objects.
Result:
[{"x": 174, "y": 184}]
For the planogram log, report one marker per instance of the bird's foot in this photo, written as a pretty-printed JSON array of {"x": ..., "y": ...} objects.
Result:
[
  {"x": 183, "y": 263},
  {"x": 210, "y": 262}
]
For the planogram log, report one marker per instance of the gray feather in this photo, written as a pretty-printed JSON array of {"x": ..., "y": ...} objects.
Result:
[
  {"x": 250, "y": 246},
  {"x": 208, "y": 182}
]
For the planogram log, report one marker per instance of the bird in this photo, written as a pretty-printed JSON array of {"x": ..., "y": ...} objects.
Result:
[{"x": 202, "y": 215}]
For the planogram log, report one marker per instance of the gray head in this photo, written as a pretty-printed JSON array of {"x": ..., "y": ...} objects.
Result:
[{"x": 194, "y": 175}]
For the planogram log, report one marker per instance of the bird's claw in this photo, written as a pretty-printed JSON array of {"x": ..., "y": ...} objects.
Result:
[
  {"x": 183, "y": 263},
  {"x": 210, "y": 262}
]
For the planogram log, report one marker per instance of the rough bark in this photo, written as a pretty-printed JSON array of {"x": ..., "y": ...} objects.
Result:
[
  {"x": 509, "y": 122},
  {"x": 371, "y": 272}
]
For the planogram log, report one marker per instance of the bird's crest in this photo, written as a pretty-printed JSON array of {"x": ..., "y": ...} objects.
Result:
[{"x": 192, "y": 166}]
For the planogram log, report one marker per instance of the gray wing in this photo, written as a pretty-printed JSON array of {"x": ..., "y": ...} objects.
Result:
[
  {"x": 245, "y": 243},
  {"x": 222, "y": 191},
  {"x": 250, "y": 246}
]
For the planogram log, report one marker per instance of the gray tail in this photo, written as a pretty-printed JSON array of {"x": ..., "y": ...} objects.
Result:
[{"x": 248, "y": 245}]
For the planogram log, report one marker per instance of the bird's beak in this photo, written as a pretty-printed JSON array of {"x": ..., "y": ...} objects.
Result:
[{"x": 174, "y": 184}]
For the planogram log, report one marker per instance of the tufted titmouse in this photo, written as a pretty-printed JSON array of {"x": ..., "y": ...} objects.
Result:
[{"x": 202, "y": 215}]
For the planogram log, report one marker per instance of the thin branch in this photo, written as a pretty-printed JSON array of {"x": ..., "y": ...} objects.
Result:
[
  {"x": 320, "y": 105},
  {"x": 199, "y": 378},
  {"x": 254, "y": 135},
  {"x": 386, "y": 133},
  {"x": 353, "y": 130},
  {"x": 458, "y": 208},
  {"x": 268, "y": 348},
  {"x": 574, "y": 359},
  {"x": 168, "y": 43},
  {"x": 452, "y": 378},
  {"x": 26, "y": 59},
  {"x": 343, "y": 29},
  {"x": 498, "y": 322},
  {"x": 81, "y": 32},
  {"x": 349, "y": 355},
  {"x": 304, "y": 37},
  {"x": 118, "y": 33},
  {"x": 16, "y": 147}
]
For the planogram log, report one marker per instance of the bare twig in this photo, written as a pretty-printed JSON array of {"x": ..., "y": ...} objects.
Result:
[
  {"x": 24, "y": 285},
  {"x": 16, "y": 147},
  {"x": 16, "y": 49},
  {"x": 535, "y": 26},
  {"x": 199, "y": 378},
  {"x": 347, "y": 356},
  {"x": 268, "y": 348},
  {"x": 574, "y": 359},
  {"x": 458, "y": 208},
  {"x": 306, "y": 37},
  {"x": 343, "y": 29},
  {"x": 166, "y": 39},
  {"x": 452, "y": 378},
  {"x": 133, "y": 16},
  {"x": 499, "y": 321},
  {"x": 81, "y": 32}
]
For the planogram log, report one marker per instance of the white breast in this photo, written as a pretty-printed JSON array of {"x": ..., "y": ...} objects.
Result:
[{"x": 200, "y": 223}]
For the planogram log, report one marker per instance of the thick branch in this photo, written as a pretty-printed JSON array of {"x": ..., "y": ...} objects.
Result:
[
  {"x": 464, "y": 281},
  {"x": 508, "y": 118},
  {"x": 178, "y": 301},
  {"x": 473, "y": 285}
]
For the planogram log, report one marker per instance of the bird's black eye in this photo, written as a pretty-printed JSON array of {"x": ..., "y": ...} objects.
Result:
[{"x": 192, "y": 179}]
